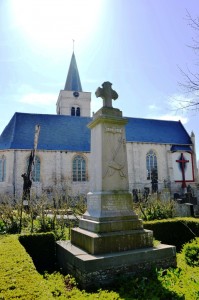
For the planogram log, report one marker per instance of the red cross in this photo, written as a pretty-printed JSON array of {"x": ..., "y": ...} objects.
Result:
[{"x": 182, "y": 162}]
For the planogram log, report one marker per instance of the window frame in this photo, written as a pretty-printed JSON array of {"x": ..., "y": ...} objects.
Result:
[
  {"x": 79, "y": 168},
  {"x": 151, "y": 163},
  {"x": 78, "y": 111},
  {"x": 2, "y": 168},
  {"x": 75, "y": 111}
]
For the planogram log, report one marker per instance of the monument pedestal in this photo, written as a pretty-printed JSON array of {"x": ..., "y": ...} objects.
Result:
[
  {"x": 110, "y": 242},
  {"x": 110, "y": 225},
  {"x": 110, "y": 239},
  {"x": 95, "y": 271}
]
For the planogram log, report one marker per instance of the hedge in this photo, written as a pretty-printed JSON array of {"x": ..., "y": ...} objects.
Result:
[
  {"x": 18, "y": 276},
  {"x": 41, "y": 247},
  {"x": 175, "y": 231},
  {"x": 191, "y": 252}
]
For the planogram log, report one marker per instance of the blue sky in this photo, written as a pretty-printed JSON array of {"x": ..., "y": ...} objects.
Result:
[{"x": 138, "y": 45}]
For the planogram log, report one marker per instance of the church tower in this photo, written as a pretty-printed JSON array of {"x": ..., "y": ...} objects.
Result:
[{"x": 72, "y": 101}]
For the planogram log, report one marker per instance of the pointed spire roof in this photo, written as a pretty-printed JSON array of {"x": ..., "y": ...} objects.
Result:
[{"x": 73, "y": 82}]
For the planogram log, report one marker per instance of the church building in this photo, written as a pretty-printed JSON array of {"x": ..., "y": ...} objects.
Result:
[{"x": 157, "y": 151}]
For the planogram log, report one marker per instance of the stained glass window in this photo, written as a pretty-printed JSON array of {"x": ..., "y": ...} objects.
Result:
[
  {"x": 151, "y": 164},
  {"x": 79, "y": 168},
  {"x": 2, "y": 168}
]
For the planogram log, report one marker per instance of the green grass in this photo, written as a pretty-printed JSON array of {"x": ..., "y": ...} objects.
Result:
[{"x": 20, "y": 280}]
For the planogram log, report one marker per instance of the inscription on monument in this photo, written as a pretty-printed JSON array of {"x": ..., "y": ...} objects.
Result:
[
  {"x": 113, "y": 129},
  {"x": 110, "y": 205},
  {"x": 94, "y": 203}
]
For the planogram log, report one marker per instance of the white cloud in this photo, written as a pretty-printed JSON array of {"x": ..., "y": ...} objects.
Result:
[
  {"x": 179, "y": 102},
  {"x": 171, "y": 117},
  {"x": 173, "y": 112},
  {"x": 153, "y": 107},
  {"x": 38, "y": 99}
]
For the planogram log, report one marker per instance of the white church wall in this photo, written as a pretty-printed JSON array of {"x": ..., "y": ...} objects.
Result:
[
  {"x": 56, "y": 170},
  {"x": 134, "y": 167},
  {"x": 6, "y": 186},
  {"x": 136, "y": 155},
  {"x": 55, "y": 173},
  {"x": 15, "y": 167}
]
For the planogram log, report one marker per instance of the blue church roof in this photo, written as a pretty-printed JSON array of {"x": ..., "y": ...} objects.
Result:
[
  {"x": 186, "y": 148},
  {"x": 156, "y": 131},
  {"x": 57, "y": 132},
  {"x": 70, "y": 133},
  {"x": 73, "y": 82}
]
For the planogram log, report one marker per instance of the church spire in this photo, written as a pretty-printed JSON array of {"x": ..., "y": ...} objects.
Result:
[{"x": 73, "y": 82}]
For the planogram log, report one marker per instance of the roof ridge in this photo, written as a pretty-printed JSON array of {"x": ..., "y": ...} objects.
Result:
[
  {"x": 150, "y": 119},
  {"x": 51, "y": 115}
]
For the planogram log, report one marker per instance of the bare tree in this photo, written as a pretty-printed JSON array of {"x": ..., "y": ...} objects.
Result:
[{"x": 190, "y": 83}]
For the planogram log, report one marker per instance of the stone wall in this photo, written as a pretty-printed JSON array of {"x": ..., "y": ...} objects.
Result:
[
  {"x": 55, "y": 172},
  {"x": 136, "y": 154}
]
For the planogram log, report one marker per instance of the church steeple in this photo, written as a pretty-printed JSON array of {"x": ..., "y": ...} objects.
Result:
[
  {"x": 72, "y": 101},
  {"x": 73, "y": 82}
]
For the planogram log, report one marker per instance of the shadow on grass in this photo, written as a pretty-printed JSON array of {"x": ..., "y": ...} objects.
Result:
[
  {"x": 143, "y": 287},
  {"x": 146, "y": 286}
]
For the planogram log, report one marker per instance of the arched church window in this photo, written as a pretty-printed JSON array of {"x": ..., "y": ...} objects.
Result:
[
  {"x": 73, "y": 111},
  {"x": 79, "y": 168},
  {"x": 35, "y": 169},
  {"x": 151, "y": 165},
  {"x": 78, "y": 112},
  {"x": 2, "y": 168}
]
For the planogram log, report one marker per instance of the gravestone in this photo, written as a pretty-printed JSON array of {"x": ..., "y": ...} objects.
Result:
[
  {"x": 165, "y": 195},
  {"x": 110, "y": 239}
]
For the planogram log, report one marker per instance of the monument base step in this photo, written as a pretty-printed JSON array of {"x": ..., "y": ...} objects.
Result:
[
  {"x": 97, "y": 243},
  {"x": 102, "y": 270},
  {"x": 111, "y": 226}
]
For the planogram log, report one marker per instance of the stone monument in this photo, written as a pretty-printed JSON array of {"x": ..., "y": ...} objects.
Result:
[{"x": 110, "y": 239}]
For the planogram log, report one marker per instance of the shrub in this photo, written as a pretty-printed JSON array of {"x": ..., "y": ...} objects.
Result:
[
  {"x": 155, "y": 209},
  {"x": 2, "y": 226},
  {"x": 18, "y": 277},
  {"x": 176, "y": 231},
  {"x": 10, "y": 218},
  {"x": 20, "y": 280},
  {"x": 41, "y": 247},
  {"x": 191, "y": 252}
]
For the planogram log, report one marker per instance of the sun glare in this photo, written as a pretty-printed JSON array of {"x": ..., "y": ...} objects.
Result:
[{"x": 54, "y": 23}]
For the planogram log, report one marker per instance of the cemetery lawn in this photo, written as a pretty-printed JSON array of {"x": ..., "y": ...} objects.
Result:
[{"x": 19, "y": 279}]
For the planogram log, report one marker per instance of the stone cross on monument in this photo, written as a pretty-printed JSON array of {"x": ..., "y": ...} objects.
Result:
[
  {"x": 182, "y": 162},
  {"x": 106, "y": 93}
]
